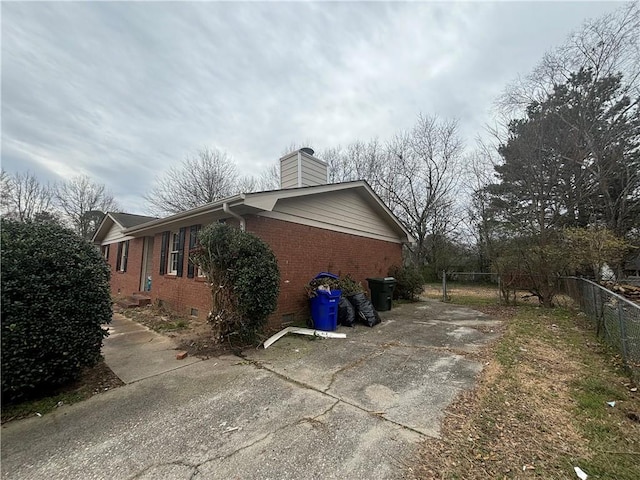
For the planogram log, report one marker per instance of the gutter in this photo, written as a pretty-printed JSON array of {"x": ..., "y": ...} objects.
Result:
[
  {"x": 213, "y": 206},
  {"x": 243, "y": 223}
]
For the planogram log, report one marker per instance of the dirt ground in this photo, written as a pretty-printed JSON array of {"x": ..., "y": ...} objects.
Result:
[
  {"x": 191, "y": 334},
  {"x": 539, "y": 407},
  {"x": 92, "y": 381}
]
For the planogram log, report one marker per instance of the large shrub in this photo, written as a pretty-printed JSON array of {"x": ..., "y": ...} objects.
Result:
[
  {"x": 410, "y": 282},
  {"x": 55, "y": 297},
  {"x": 244, "y": 277}
]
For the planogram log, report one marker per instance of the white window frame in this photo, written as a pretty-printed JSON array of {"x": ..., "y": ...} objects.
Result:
[
  {"x": 199, "y": 272},
  {"x": 105, "y": 252},
  {"x": 123, "y": 255},
  {"x": 173, "y": 257}
]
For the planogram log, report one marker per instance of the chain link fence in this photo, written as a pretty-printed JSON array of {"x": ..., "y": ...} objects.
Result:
[
  {"x": 616, "y": 319},
  {"x": 453, "y": 280}
]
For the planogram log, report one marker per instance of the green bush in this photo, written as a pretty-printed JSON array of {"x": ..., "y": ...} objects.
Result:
[
  {"x": 244, "y": 277},
  {"x": 410, "y": 282},
  {"x": 55, "y": 297}
]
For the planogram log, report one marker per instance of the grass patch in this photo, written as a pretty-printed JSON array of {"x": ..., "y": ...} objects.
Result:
[
  {"x": 42, "y": 406},
  {"x": 540, "y": 404},
  {"x": 172, "y": 326},
  {"x": 158, "y": 319}
]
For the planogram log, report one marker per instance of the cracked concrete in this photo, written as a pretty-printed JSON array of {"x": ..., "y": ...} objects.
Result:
[
  {"x": 303, "y": 408},
  {"x": 134, "y": 352}
]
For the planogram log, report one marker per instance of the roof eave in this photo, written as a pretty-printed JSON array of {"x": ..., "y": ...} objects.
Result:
[
  {"x": 209, "y": 207},
  {"x": 102, "y": 223}
]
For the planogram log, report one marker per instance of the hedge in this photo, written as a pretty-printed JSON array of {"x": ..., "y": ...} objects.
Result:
[
  {"x": 55, "y": 298},
  {"x": 410, "y": 282},
  {"x": 244, "y": 278}
]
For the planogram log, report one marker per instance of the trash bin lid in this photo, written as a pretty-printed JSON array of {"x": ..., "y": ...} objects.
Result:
[{"x": 326, "y": 275}]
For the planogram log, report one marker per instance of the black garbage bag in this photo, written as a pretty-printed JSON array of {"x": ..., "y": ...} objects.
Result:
[
  {"x": 346, "y": 313},
  {"x": 364, "y": 309}
]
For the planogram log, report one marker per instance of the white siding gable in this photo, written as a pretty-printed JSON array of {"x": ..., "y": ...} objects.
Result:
[
  {"x": 114, "y": 235},
  {"x": 342, "y": 211}
]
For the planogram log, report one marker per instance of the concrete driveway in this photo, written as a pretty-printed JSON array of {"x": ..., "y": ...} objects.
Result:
[
  {"x": 303, "y": 408},
  {"x": 135, "y": 352}
]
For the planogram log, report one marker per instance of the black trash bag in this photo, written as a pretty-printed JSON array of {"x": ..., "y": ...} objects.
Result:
[
  {"x": 364, "y": 309},
  {"x": 346, "y": 313}
]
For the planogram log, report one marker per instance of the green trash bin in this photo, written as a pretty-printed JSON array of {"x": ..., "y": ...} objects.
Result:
[{"x": 381, "y": 292}]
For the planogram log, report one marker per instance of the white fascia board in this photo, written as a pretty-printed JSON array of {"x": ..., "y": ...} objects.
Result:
[
  {"x": 118, "y": 240},
  {"x": 186, "y": 215},
  {"x": 389, "y": 213},
  {"x": 327, "y": 226},
  {"x": 99, "y": 232}
]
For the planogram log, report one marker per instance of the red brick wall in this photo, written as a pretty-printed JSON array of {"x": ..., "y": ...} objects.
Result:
[
  {"x": 303, "y": 251},
  {"x": 126, "y": 283},
  {"x": 181, "y": 294}
]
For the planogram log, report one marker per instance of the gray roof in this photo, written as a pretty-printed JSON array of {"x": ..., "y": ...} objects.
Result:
[{"x": 128, "y": 220}]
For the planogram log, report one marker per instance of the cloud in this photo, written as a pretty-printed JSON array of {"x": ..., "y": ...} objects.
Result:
[{"x": 122, "y": 91}]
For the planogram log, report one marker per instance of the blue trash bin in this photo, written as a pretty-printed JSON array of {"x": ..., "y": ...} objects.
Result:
[{"x": 324, "y": 310}]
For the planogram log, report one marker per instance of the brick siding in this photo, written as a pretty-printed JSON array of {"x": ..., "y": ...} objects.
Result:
[
  {"x": 126, "y": 283},
  {"x": 302, "y": 251},
  {"x": 181, "y": 294}
]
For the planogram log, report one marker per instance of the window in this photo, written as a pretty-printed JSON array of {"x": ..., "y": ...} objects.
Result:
[
  {"x": 121, "y": 259},
  {"x": 174, "y": 253},
  {"x": 105, "y": 252},
  {"x": 192, "y": 269}
]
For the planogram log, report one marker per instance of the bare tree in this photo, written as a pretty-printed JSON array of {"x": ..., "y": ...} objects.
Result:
[
  {"x": 247, "y": 184},
  {"x": 269, "y": 178},
  {"x": 6, "y": 190},
  {"x": 202, "y": 178},
  {"x": 24, "y": 198},
  {"x": 83, "y": 203},
  {"x": 607, "y": 45},
  {"x": 479, "y": 174},
  {"x": 422, "y": 173}
]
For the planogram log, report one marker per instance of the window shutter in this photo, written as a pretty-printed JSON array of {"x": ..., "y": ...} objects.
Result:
[
  {"x": 126, "y": 256},
  {"x": 163, "y": 252},
  {"x": 181, "y": 236},
  {"x": 119, "y": 256},
  {"x": 193, "y": 240}
]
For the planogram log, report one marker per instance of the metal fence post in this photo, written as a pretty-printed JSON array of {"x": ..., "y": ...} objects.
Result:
[
  {"x": 595, "y": 309},
  {"x": 623, "y": 334},
  {"x": 444, "y": 286}
]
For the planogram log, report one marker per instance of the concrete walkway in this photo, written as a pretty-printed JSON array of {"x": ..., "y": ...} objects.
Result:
[
  {"x": 134, "y": 352},
  {"x": 305, "y": 408}
]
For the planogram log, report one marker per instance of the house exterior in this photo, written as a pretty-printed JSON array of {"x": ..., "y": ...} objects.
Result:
[
  {"x": 311, "y": 226},
  {"x": 121, "y": 251}
]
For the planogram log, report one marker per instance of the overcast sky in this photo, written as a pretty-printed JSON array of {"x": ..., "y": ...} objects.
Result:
[{"x": 121, "y": 91}]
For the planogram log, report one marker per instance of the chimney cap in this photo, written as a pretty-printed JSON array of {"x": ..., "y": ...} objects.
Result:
[{"x": 307, "y": 150}]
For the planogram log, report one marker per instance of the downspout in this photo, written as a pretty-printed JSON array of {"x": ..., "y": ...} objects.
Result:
[{"x": 226, "y": 209}]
